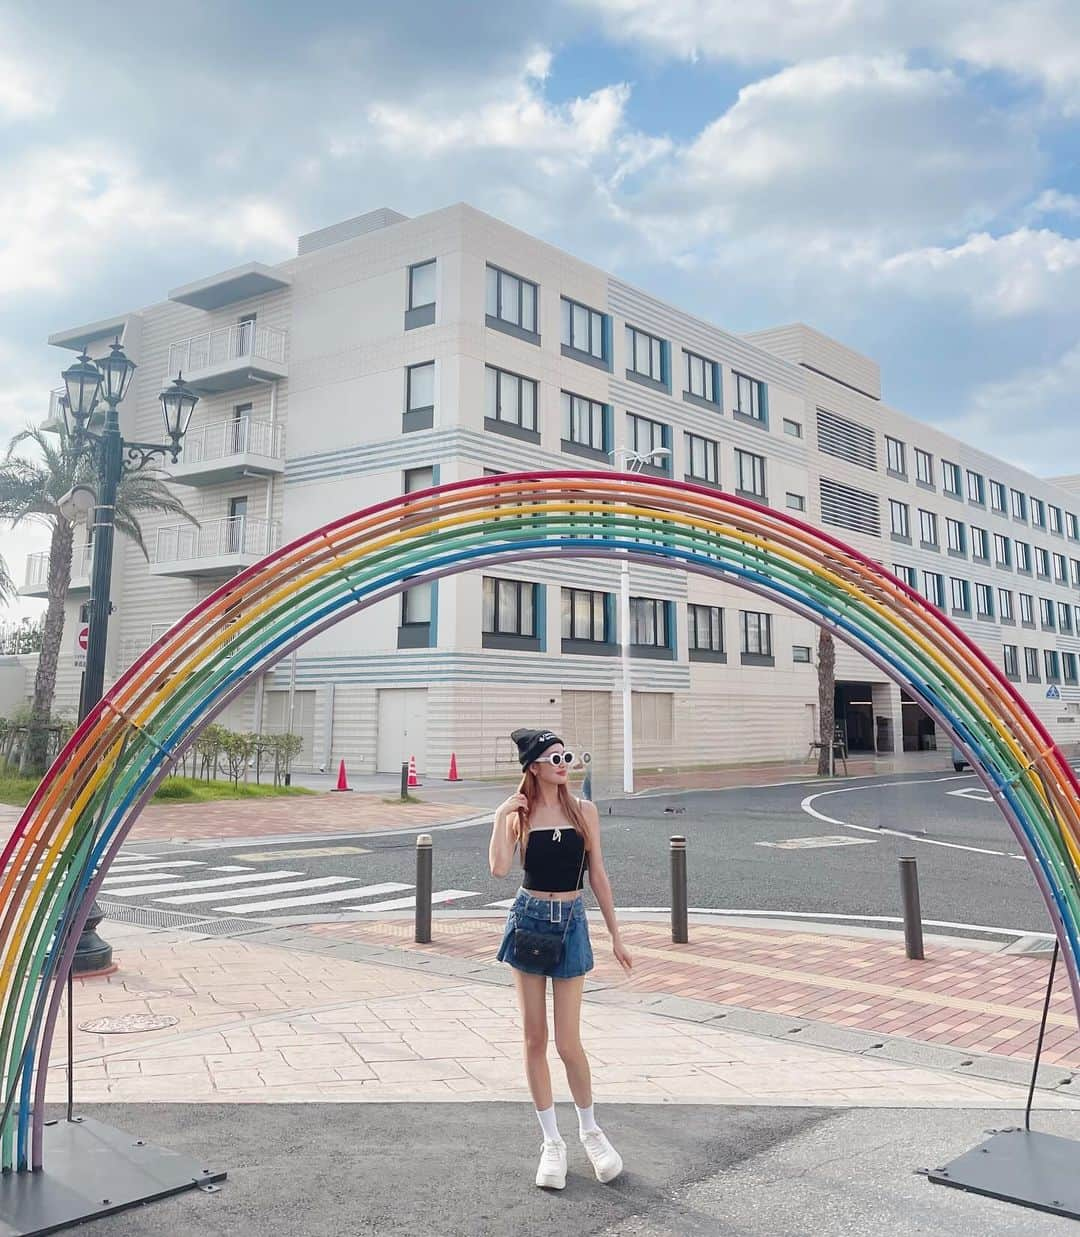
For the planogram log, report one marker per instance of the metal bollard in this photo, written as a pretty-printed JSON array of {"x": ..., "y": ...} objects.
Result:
[
  {"x": 679, "y": 931},
  {"x": 423, "y": 889},
  {"x": 404, "y": 780},
  {"x": 909, "y": 897}
]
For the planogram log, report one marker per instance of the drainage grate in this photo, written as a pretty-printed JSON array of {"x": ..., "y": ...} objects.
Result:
[
  {"x": 147, "y": 917},
  {"x": 226, "y": 927}
]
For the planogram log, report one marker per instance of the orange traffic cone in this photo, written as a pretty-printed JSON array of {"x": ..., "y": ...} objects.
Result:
[
  {"x": 453, "y": 775},
  {"x": 342, "y": 780},
  {"x": 413, "y": 779}
]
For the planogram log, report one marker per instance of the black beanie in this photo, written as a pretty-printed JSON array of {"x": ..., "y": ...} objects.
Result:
[{"x": 533, "y": 743}]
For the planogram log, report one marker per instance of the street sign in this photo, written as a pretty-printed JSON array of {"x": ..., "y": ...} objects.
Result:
[
  {"x": 82, "y": 639},
  {"x": 1053, "y": 693}
]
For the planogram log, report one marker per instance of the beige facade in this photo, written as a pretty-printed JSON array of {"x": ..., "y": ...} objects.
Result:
[{"x": 324, "y": 389}]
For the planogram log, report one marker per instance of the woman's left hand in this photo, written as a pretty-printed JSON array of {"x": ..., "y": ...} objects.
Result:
[{"x": 622, "y": 955}]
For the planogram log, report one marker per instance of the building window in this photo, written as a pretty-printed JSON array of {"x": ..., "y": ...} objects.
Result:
[
  {"x": 646, "y": 356},
  {"x": 1053, "y": 665},
  {"x": 512, "y": 302},
  {"x": 1002, "y": 551},
  {"x": 928, "y": 529},
  {"x": 906, "y": 574},
  {"x": 1042, "y": 562},
  {"x": 1027, "y": 609},
  {"x": 585, "y": 423},
  {"x": 795, "y": 502},
  {"x": 998, "y": 498},
  {"x": 1023, "y": 556},
  {"x": 702, "y": 379},
  {"x": 1069, "y": 664},
  {"x": 895, "y": 456},
  {"x": 702, "y": 459},
  {"x": 793, "y": 429},
  {"x": 1005, "y": 605},
  {"x": 975, "y": 488},
  {"x": 509, "y": 401},
  {"x": 418, "y": 479},
  {"x": 954, "y": 533},
  {"x": 416, "y": 603},
  {"x": 1011, "y": 661},
  {"x": 960, "y": 595},
  {"x": 586, "y": 616},
  {"x": 706, "y": 629},
  {"x": 750, "y": 398},
  {"x": 648, "y": 623},
  {"x": 420, "y": 302},
  {"x": 1031, "y": 665},
  {"x": 419, "y": 396},
  {"x": 924, "y": 467},
  {"x": 1064, "y": 615},
  {"x": 984, "y": 601},
  {"x": 756, "y": 633},
  {"x": 750, "y": 473},
  {"x": 1055, "y": 518},
  {"x": 1072, "y": 526},
  {"x": 950, "y": 478},
  {"x": 1074, "y": 564},
  {"x": 980, "y": 543},
  {"x": 1046, "y": 613},
  {"x": 1038, "y": 513},
  {"x": 801, "y": 653},
  {"x": 900, "y": 519},
  {"x": 1019, "y": 505},
  {"x": 1061, "y": 569},
  {"x": 416, "y": 607},
  {"x": 934, "y": 588},
  {"x": 645, "y": 436},
  {"x": 509, "y": 609},
  {"x": 584, "y": 332}
]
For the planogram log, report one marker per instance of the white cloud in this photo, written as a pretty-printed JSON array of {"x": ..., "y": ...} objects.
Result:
[
  {"x": 21, "y": 95},
  {"x": 1054, "y": 202}
]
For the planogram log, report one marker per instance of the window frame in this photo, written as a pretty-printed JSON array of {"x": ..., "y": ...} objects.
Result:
[
  {"x": 903, "y": 533},
  {"x": 759, "y": 396},
  {"x": 689, "y": 439},
  {"x": 893, "y": 468},
  {"x": 422, "y": 416},
  {"x": 509, "y": 637},
  {"x": 494, "y": 421},
  {"x": 572, "y": 643},
  {"x": 508, "y": 326},
  {"x": 924, "y": 469},
  {"x": 762, "y": 629},
  {"x": 715, "y": 380},
  {"x": 658, "y": 350},
  {"x": 594, "y": 318},
  {"x": 574, "y": 446},
  {"x": 716, "y": 624},
  {"x": 740, "y": 454},
  {"x": 633, "y": 421}
]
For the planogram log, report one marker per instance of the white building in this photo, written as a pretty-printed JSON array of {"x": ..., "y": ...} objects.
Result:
[{"x": 392, "y": 352}]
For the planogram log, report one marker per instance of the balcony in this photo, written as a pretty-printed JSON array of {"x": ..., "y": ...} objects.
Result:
[
  {"x": 36, "y": 581},
  {"x": 54, "y": 422},
  {"x": 227, "y": 450},
  {"x": 218, "y": 548},
  {"x": 230, "y": 357}
]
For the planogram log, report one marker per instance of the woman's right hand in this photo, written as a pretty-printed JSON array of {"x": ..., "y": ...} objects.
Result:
[{"x": 516, "y": 803}]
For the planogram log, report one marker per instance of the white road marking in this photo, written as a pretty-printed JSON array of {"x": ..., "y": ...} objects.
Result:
[
  {"x": 175, "y": 886},
  {"x": 338, "y": 895},
  {"x": 153, "y": 867},
  {"x": 814, "y": 843},
  {"x": 979, "y": 793},
  {"x": 402, "y": 904},
  {"x": 505, "y": 904},
  {"x": 807, "y": 806},
  {"x": 313, "y": 882},
  {"x": 110, "y": 882}
]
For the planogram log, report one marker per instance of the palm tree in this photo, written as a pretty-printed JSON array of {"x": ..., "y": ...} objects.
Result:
[
  {"x": 826, "y": 699},
  {"x": 31, "y": 489}
]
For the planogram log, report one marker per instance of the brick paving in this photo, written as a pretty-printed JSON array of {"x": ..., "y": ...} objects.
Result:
[{"x": 977, "y": 1001}]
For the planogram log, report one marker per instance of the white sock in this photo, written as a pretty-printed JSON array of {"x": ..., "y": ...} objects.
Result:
[
  {"x": 586, "y": 1120},
  {"x": 548, "y": 1124}
]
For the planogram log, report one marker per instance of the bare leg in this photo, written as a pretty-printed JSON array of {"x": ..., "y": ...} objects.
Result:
[
  {"x": 568, "y": 1038},
  {"x": 532, "y": 1001}
]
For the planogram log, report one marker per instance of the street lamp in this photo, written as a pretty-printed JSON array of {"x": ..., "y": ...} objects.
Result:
[{"x": 633, "y": 461}]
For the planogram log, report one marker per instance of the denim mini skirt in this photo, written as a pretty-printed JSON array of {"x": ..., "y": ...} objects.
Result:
[{"x": 542, "y": 915}]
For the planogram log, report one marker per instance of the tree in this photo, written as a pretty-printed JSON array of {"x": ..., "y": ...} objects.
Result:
[
  {"x": 826, "y": 694},
  {"x": 22, "y": 637},
  {"x": 31, "y": 487}
]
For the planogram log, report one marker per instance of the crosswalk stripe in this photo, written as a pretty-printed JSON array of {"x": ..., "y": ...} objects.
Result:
[
  {"x": 110, "y": 881},
  {"x": 505, "y": 904},
  {"x": 134, "y": 857},
  {"x": 167, "y": 863},
  {"x": 338, "y": 895},
  {"x": 402, "y": 904},
  {"x": 176, "y": 886},
  {"x": 314, "y": 882}
]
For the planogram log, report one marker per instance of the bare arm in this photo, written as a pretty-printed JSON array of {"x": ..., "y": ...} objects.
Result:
[
  {"x": 503, "y": 841},
  {"x": 601, "y": 886}
]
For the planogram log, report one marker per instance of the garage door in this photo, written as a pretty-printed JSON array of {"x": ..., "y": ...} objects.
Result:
[
  {"x": 402, "y": 728},
  {"x": 276, "y": 721}
]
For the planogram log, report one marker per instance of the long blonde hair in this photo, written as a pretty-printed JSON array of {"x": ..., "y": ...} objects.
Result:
[{"x": 571, "y": 809}]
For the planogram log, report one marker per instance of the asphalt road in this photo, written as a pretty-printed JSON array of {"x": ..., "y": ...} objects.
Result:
[
  {"x": 465, "y": 1170},
  {"x": 809, "y": 848}
]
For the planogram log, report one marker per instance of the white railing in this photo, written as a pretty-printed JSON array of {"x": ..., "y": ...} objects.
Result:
[
  {"x": 241, "y": 341},
  {"x": 236, "y": 535},
  {"x": 56, "y": 417},
  {"x": 37, "y": 566},
  {"x": 236, "y": 436}
]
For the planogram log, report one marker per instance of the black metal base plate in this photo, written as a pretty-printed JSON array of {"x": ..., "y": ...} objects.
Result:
[
  {"x": 1022, "y": 1167},
  {"x": 92, "y": 1170}
]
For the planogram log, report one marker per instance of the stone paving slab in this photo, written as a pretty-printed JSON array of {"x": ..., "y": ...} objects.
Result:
[
  {"x": 262, "y": 1023},
  {"x": 972, "y": 1001}
]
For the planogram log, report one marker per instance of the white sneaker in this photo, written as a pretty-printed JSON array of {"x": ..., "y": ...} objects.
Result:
[
  {"x": 551, "y": 1174},
  {"x": 605, "y": 1159}
]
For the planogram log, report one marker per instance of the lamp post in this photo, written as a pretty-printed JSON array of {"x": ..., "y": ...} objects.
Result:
[
  {"x": 633, "y": 461},
  {"x": 86, "y": 385}
]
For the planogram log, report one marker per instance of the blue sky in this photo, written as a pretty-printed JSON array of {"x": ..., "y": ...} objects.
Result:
[{"x": 902, "y": 175}]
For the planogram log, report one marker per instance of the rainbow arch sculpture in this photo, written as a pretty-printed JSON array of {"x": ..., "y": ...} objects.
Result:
[{"x": 61, "y": 848}]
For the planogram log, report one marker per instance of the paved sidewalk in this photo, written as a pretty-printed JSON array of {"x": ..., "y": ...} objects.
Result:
[
  {"x": 959, "y": 997},
  {"x": 310, "y": 1018}
]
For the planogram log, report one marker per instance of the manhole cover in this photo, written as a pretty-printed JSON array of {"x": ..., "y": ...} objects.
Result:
[{"x": 128, "y": 1024}]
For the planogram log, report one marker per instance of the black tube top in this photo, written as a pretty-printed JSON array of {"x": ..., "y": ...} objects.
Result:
[{"x": 554, "y": 867}]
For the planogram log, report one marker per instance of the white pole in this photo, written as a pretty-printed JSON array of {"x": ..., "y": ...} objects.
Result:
[{"x": 627, "y": 695}]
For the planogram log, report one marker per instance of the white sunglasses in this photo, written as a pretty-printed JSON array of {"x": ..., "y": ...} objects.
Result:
[{"x": 556, "y": 759}]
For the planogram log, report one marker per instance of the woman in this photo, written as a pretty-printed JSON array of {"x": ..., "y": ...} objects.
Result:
[{"x": 557, "y": 837}]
